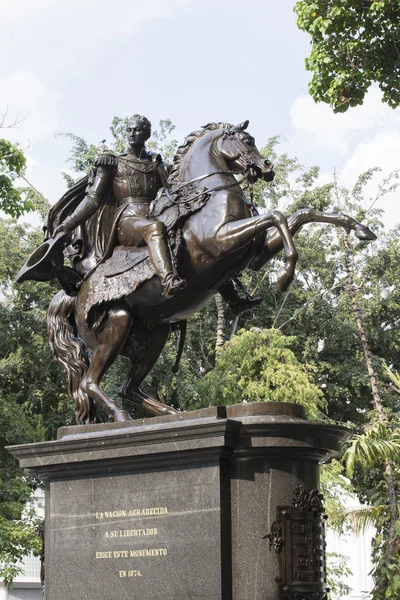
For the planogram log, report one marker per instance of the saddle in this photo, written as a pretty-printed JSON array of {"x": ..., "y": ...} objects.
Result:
[{"x": 174, "y": 206}]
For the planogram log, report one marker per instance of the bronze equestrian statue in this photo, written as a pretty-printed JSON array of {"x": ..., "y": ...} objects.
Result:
[{"x": 149, "y": 246}]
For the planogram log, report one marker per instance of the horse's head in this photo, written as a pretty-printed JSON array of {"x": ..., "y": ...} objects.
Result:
[{"x": 238, "y": 149}]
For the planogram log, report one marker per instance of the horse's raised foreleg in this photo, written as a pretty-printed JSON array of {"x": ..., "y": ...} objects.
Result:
[
  {"x": 274, "y": 243},
  {"x": 143, "y": 348},
  {"x": 111, "y": 337},
  {"x": 236, "y": 234}
]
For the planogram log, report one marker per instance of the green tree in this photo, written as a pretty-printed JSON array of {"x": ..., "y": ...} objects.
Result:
[
  {"x": 31, "y": 386},
  {"x": 372, "y": 458},
  {"x": 13, "y": 201},
  {"x": 18, "y": 534},
  {"x": 26, "y": 392},
  {"x": 353, "y": 44},
  {"x": 259, "y": 365}
]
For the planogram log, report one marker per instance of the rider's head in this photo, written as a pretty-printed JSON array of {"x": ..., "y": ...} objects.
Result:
[{"x": 138, "y": 130}]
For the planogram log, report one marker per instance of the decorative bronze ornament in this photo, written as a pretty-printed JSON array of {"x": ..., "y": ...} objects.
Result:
[{"x": 298, "y": 538}]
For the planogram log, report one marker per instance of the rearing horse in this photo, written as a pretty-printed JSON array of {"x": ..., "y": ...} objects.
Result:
[{"x": 220, "y": 240}]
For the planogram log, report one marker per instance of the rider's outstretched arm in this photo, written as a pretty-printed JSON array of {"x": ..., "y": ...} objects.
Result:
[{"x": 91, "y": 201}]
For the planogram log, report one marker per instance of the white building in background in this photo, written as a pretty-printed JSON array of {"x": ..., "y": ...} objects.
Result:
[
  {"x": 27, "y": 586},
  {"x": 357, "y": 551}
]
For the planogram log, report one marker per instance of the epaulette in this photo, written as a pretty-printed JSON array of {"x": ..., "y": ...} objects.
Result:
[
  {"x": 107, "y": 159},
  {"x": 155, "y": 156}
]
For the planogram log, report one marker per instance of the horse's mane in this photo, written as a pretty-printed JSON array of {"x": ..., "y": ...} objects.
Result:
[{"x": 184, "y": 148}]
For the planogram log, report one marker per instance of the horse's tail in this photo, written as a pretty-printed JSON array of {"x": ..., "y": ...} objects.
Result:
[{"x": 71, "y": 352}]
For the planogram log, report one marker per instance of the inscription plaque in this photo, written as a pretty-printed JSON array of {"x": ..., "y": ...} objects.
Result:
[
  {"x": 136, "y": 535},
  {"x": 298, "y": 538}
]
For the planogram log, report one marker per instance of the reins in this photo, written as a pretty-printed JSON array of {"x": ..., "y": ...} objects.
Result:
[{"x": 207, "y": 191}]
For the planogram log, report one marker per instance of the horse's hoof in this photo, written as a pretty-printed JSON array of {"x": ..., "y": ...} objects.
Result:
[
  {"x": 121, "y": 415},
  {"x": 364, "y": 233},
  {"x": 168, "y": 410},
  {"x": 283, "y": 280}
]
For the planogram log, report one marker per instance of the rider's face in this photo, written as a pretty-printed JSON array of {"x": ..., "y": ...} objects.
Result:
[{"x": 136, "y": 133}]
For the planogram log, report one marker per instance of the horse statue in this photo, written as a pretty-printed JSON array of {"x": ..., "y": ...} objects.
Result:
[{"x": 215, "y": 233}]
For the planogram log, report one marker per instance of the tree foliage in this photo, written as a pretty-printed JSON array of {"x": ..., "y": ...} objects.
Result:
[
  {"x": 12, "y": 164},
  {"x": 33, "y": 398},
  {"x": 17, "y": 526},
  {"x": 371, "y": 448},
  {"x": 26, "y": 392},
  {"x": 259, "y": 365},
  {"x": 354, "y": 44}
]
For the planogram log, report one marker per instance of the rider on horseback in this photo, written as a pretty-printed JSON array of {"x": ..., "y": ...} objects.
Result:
[
  {"x": 217, "y": 234},
  {"x": 135, "y": 179},
  {"x": 110, "y": 208}
]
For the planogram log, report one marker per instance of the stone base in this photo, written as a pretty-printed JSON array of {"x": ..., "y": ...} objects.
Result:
[{"x": 174, "y": 507}]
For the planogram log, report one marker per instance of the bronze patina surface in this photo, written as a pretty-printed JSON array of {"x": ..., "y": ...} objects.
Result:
[{"x": 149, "y": 245}]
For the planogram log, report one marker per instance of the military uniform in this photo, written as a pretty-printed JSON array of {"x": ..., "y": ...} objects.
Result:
[{"x": 135, "y": 183}]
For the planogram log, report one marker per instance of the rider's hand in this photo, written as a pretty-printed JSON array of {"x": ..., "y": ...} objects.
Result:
[{"x": 59, "y": 229}]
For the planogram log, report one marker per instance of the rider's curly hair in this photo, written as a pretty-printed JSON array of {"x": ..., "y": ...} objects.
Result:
[{"x": 144, "y": 122}]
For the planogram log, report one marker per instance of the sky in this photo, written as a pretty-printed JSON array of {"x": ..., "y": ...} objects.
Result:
[{"x": 74, "y": 64}]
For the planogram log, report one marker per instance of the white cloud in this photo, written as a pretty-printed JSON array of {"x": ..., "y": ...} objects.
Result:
[
  {"x": 317, "y": 123},
  {"x": 382, "y": 150},
  {"x": 28, "y": 98},
  {"x": 121, "y": 15},
  {"x": 363, "y": 137},
  {"x": 48, "y": 180},
  {"x": 44, "y": 178},
  {"x": 72, "y": 46},
  {"x": 71, "y": 33}
]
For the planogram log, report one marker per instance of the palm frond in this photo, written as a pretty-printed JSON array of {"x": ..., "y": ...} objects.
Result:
[
  {"x": 369, "y": 516},
  {"x": 376, "y": 445},
  {"x": 393, "y": 376}
]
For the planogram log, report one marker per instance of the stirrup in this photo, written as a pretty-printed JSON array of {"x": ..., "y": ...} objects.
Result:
[{"x": 173, "y": 285}]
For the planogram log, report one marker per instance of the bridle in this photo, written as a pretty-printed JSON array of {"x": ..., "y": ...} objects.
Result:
[
  {"x": 248, "y": 164},
  {"x": 208, "y": 190},
  {"x": 245, "y": 172}
]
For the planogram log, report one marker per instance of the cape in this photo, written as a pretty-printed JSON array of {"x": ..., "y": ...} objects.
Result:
[{"x": 90, "y": 240}]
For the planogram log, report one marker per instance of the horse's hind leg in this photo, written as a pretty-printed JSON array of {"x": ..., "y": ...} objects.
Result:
[
  {"x": 143, "y": 348},
  {"x": 110, "y": 336}
]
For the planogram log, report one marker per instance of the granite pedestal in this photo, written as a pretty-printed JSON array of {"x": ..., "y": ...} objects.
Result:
[{"x": 175, "y": 507}]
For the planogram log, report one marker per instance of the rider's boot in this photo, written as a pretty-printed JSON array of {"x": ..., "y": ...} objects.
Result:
[{"x": 155, "y": 236}]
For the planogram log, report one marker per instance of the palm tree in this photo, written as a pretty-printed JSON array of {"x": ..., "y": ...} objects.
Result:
[{"x": 379, "y": 447}]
